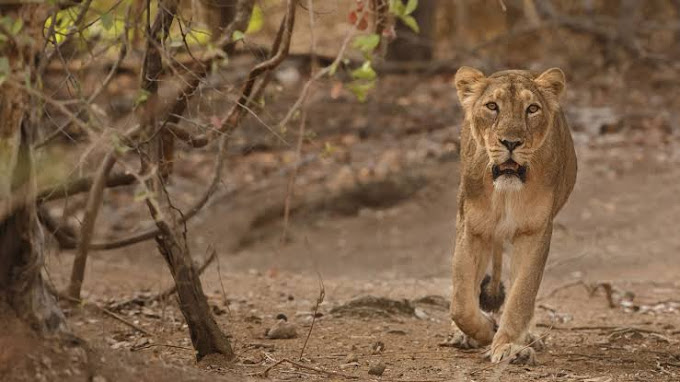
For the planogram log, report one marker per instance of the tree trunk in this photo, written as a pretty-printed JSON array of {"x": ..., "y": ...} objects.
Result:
[
  {"x": 206, "y": 336},
  {"x": 411, "y": 46},
  {"x": 23, "y": 292}
]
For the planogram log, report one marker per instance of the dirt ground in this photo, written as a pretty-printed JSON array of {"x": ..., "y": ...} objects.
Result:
[{"x": 374, "y": 216}]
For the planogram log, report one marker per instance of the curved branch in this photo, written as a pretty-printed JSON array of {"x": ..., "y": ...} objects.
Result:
[
  {"x": 231, "y": 122},
  {"x": 94, "y": 201},
  {"x": 67, "y": 241},
  {"x": 81, "y": 185}
]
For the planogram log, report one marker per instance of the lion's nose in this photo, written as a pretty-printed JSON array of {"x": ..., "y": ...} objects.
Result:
[{"x": 511, "y": 145}]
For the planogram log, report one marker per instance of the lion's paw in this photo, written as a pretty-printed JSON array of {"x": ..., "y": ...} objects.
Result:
[
  {"x": 536, "y": 342},
  {"x": 517, "y": 354},
  {"x": 462, "y": 341}
]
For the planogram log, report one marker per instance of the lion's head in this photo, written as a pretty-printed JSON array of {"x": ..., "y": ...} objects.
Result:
[{"x": 510, "y": 113}]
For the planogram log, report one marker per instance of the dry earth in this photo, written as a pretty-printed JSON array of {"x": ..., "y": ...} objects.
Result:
[{"x": 375, "y": 216}]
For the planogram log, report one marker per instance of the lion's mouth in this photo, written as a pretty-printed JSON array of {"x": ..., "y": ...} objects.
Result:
[{"x": 511, "y": 168}]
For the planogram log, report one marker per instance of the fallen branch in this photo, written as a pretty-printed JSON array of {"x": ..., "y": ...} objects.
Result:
[
  {"x": 147, "y": 346},
  {"x": 329, "y": 373},
  {"x": 105, "y": 311},
  {"x": 563, "y": 287}
]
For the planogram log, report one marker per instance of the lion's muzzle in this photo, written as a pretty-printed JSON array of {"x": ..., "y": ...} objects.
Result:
[{"x": 509, "y": 168}]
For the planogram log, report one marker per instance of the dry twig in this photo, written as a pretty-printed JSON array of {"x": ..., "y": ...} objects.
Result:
[
  {"x": 105, "y": 311},
  {"x": 319, "y": 300},
  {"x": 562, "y": 287},
  {"x": 329, "y": 373}
]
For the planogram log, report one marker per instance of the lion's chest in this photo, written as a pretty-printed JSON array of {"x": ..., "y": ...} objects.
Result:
[
  {"x": 503, "y": 215},
  {"x": 508, "y": 218}
]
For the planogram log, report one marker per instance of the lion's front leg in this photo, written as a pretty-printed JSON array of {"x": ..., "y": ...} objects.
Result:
[
  {"x": 469, "y": 264},
  {"x": 528, "y": 261}
]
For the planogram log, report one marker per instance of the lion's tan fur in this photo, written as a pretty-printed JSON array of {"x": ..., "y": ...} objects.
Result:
[{"x": 492, "y": 213}]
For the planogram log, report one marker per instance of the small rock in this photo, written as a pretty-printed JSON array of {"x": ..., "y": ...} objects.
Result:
[
  {"x": 367, "y": 306},
  {"x": 253, "y": 319},
  {"x": 217, "y": 310},
  {"x": 98, "y": 378},
  {"x": 377, "y": 347},
  {"x": 420, "y": 314},
  {"x": 433, "y": 300},
  {"x": 141, "y": 342},
  {"x": 282, "y": 330},
  {"x": 249, "y": 361},
  {"x": 351, "y": 365},
  {"x": 377, "y": 369},
  {"x": 351, "y": 357}
]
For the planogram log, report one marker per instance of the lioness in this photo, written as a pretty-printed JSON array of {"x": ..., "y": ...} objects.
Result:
[{"x": 518, "y": 167}]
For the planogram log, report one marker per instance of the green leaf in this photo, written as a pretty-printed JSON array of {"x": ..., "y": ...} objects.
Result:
[
  {"x": 256, "y": 20},
  {"x": 367, "y": 43},
  {"x": 215, "y": 51},
  {"x": 237, "y": 35},
  {"x": 143, "y": 194},
  {"x": 333, "y": 69},
  {"x": 118, "y": 145},
  {"x": 410, "y": 7},
  {"x": 365, "y": 72},
  {"x": 4, "y": 65},
  {"x": 17, "y": 26},
  {"x": 411, "y": 23},
  {"x": 107, "y": 20},
  {"x": 328, "y": 149},
  {"x": 142, "y": 97},
  {"x": 360, "y": 89},
  {"x": 397, "y": 8},
  {"x": 4, "y": 69},
  {"x": 198, "y": 36}
]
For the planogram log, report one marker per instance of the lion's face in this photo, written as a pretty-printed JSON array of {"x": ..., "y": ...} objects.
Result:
[{"x": 510, "y": 114}]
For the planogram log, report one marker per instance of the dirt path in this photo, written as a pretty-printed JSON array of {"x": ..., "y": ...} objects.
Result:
[{"x": 619, "y": 228}]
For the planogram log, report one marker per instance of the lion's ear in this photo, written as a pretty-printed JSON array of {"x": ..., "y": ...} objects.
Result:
[
  {"x": 552, "y": 81},
  {"x": 468, "y": 81}
]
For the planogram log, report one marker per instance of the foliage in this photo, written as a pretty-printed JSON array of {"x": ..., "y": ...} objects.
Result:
[{"x": 403, "y": 12}]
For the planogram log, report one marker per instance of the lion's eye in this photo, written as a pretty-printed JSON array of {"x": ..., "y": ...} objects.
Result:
[
  {"x": 533, "y": 108},
  {"x": 492, "y": 106}
]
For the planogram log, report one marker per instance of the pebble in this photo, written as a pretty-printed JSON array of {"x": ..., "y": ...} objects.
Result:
[
  {"x": 377, "y": 369},
  {"x": 351, "y": 357},
  {"x": 282, "y": 330}
]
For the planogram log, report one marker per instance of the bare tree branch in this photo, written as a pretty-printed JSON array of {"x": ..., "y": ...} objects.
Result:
[
  {"x": 81, "y": 185},
  {"x": 94, "y": 201}
]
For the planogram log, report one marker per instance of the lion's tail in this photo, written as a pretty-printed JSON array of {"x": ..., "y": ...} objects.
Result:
[{"x": 492, "y": 292}]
